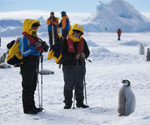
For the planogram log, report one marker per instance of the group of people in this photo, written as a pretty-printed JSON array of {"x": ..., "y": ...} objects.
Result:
[
  {"x": 54, "y": 25},
  {"x": 74, "y": 51}
]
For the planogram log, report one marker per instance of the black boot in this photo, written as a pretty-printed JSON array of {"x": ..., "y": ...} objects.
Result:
[
  {"x": 39, "y": 109},
  {"x": 82, "y": 106},
  {"x": 67, "y": 106},
  {"x": 33, "y": 111}
]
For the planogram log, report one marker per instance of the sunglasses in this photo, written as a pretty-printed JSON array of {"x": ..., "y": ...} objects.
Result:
[{"x": 77, "y": 32}]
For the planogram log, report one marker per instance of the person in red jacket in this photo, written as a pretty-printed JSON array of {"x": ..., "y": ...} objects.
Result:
[
  {"x": 119, "y": 32},
  {"x": 74, "y": 51}
]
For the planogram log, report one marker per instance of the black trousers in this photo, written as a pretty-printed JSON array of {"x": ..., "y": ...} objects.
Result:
[
  {"x": 119, "y": 37},
  {"x": 73, "y": 79},
  {"x": 29, "y": 72},
  {"x": 51, "y": 38}
]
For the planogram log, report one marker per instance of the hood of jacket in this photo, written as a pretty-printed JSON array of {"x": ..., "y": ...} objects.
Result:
[{"x": 27, "y": 25}]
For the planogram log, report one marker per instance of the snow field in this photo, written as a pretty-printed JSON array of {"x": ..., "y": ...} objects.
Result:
[{"x": 112, "y": 61}]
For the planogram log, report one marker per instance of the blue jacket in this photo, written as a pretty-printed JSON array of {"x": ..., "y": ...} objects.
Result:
[
  {"x": 50, "y": 28},
  {"x": 52, "y": 21},
  {"x": 65, "y": 24},
  {"x": 26, "y": 48}
]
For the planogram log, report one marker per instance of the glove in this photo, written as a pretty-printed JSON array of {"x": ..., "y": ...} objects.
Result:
[
  {"x": 82, "y": 55},
  {"x": 18, "y": 38},
  {"x": 52, "y": 21},
  {"x": 77, "y": 56},
  {"x": 37, "y": 45}
]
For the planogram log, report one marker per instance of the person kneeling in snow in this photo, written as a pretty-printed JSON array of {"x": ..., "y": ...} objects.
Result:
[{"x": 74, "y": 52}]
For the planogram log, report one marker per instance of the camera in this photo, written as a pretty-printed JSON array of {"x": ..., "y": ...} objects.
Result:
[
  {"x": 41, "y": 44},
  {"x": 44, "y": 46}
]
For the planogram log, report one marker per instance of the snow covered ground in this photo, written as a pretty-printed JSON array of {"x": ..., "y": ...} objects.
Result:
[{"x": 112, "y": 61}]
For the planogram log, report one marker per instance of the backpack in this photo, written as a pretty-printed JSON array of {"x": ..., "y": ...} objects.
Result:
[{"x": 14, "y": 55}]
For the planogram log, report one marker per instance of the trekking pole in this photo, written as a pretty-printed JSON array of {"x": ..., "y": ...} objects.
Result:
[
  {"x": 89, "y": 60},
  {"x": 0, "y": 41},
  {"x": 84, "y": 83},
  {"x": 85, "y": 91},
  {"x": 39, "y": 97},
  {"x": 41, "y": 90},
  {"x": 53, "y": 38},
  {"x": 76, "y": 76},
  {"x": 41, "y": 83}
]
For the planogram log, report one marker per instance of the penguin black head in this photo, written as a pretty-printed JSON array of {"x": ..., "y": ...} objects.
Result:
[{"x": 126, "y": 82}]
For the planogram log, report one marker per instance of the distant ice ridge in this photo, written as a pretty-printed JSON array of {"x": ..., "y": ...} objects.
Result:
[
  {"x": 11, "y": 22},
  {"x": 111, "y": 16},
  {"x": 116, "y": 14}
]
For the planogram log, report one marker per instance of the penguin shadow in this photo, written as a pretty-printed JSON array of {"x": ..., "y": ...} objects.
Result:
[
  {"x": 146, "y": 117},
  {"x": 48, "y": 116},
  {"x": 102, "y": 110}
]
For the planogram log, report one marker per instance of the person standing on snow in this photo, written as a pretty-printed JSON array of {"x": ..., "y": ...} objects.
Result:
[
  {"x": 74, "y": 52},
  {"x": 64, "y": 24},
  {"x": 119, "y": 32},
  {"x": 31, "y": 49},
  {"x": 52, "y": 23}
]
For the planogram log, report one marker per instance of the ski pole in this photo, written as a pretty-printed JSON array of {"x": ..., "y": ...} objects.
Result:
[
  {"x": 0, "y": 41},
  {"x": 41, "y": 83},
  {"x": 76, "y": 76},
  {"x": 74, "y": 99},
  {"x": 53, "y": 38},
  {"x": 89, "y": 60},
  {"x": 39, "y": 95},
  {"x": 85, "y": 91},
  {"x": 84, "y": 83}
]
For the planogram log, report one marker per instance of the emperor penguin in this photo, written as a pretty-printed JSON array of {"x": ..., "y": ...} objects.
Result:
[
  {"x": 141, "y": 49},
  {"x": 127, "y": 102}
]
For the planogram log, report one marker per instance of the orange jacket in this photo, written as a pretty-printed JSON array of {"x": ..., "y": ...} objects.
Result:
[
  {"x": 65, "y": 22},
  {"x": 51, "y": 21}
]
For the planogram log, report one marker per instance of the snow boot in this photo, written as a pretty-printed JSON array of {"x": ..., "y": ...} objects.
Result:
[
  {"x": 38, "y": 109},
  {"x": 82, "y": 106},
  {"x": 67, "y": 107},
  {"x": 33, "y": 111}
]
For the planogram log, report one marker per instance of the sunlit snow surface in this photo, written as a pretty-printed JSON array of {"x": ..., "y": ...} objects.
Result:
[{"x": 112, "y": 61}]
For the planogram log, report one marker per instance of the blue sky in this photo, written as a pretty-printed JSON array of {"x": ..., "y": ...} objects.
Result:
[{"x": 87, "y": 6}]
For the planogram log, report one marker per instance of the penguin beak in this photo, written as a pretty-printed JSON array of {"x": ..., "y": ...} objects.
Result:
[{"x": 123, "y": 81}]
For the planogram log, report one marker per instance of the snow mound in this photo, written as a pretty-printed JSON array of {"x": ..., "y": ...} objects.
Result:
[
  {"x": 91, "y": 43},
  {"x": 104, "y": 55},
  {"x": 132, "y": 43},
  {"x": 116, "y": 14},
  {"x": 12, "y": 27}
]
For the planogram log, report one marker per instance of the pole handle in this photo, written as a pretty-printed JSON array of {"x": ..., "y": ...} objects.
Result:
[
  {"x": 89, "y": 60},
  {"x": 41, "y": 58}
]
